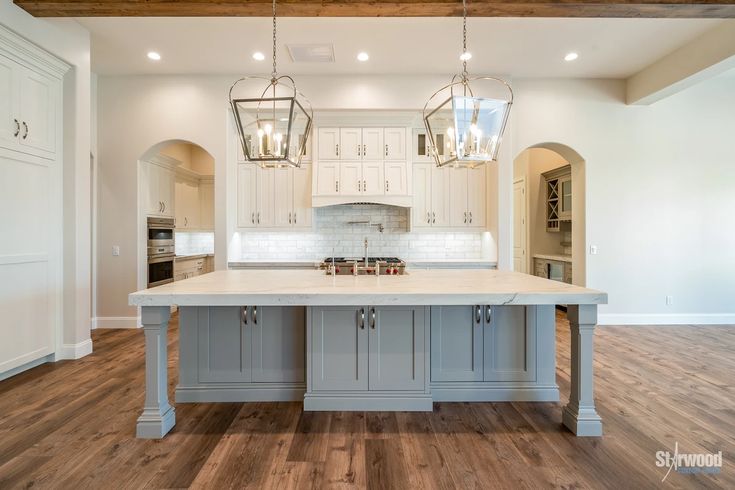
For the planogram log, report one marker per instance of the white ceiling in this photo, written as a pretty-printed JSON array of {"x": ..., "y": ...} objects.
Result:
[{"x": 520, "y": 47}]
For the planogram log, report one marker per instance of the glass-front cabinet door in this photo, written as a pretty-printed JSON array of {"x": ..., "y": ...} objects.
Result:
[
  {"x": 565, "y": 186},
  {"x": 421, "y": 146}
]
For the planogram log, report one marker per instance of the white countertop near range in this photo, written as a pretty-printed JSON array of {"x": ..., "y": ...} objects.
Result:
[
  {"x": 560, "y": 258},
  {"x": 191, "y": 257},
  {"x": 315, "y": 288},
  {"x": 415, "y": 263}
]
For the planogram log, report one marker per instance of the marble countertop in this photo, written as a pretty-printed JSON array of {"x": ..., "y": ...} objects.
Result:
[
  {"x": 264, "y": 264},
  {"x": 315, "y": 288},
  {"x": 560, "y": 258},
  {"x": 191, "y": 257}
]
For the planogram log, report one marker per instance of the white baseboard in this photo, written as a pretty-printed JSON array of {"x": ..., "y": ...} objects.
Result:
[
  {"x": 116, "y": 322},
  {"x": 666, "y": 319},
  {"x": 74, "y": 351}
]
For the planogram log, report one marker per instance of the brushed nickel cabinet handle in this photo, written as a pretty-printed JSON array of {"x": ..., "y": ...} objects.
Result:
[
  {"x": 252, "y": 217},
  {"x": 294, "y": 217},
  {"x": 364, "y": 185},
  {"x": 255, "y": 315},
  {"x": 336, "y": 185},
  {"x": 258, "y": 217},
  {"x": 361, "y": 319},
  {"x": 465, "y": 216},
  {"x": 245, "y": 315},
  {"x": 186, "y": 221},
  {"x": 358, "y": 151},
  {"x": 372, "y": 318},
  {"x": 470, "y": 214},
  {"x": 386, "y": 186},
  {"x": 336, "y": 150},
  {"x": 386, "y": 150},
  {"x": 289, "y": 218},
  {"x": 433, "y": 219},
  {"x": 17, "y": 128},
  {"x": 25, "y": 133},
  {"x": 488, "y": 314},
  {"x": 428, "y": 218},
  {"x": 478, "y": 314},
  {"x": 364, "y": 150}
]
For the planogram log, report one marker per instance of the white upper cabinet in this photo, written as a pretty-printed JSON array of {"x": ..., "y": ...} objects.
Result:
[
  {"x": 302, "y": 210},
  {"x": 283, "y": 181},
  {"x": 468, "y": 201},
  {"x": 421, "y": 210},
  {"x": 29, "y": 106},
  {"x": 187, "y": 201},
  {"x": 274, "y": 198},
  {"x": 440, "y": 196},
  {"x": 247, "y": 199},
  {"x": 431, "y": 196},
  {"x": 350, "y": 178},
  {"x": 372, "y": 178},
  {"x": 159, "y": 182},
  {"x": 206, "y": 205},
  {"x": 328, "y": 145},
  {"x": 327, "y": 178},
  {"x": 350, "y": 147},
  {"x": 394, "y": 143},
  {"x": 372, "y": 144},
  {"x": 396, "y": 176}
]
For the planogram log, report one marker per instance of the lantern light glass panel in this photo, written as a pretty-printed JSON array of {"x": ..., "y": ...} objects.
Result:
[
  {"x": 273, "y": 131},
  {"x": 468, "y": 129}
]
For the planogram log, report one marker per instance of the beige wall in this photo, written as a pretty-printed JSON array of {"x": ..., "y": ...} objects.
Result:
[{"x": 192, "y": 157}]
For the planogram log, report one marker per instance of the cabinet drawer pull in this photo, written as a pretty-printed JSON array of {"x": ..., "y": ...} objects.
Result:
[
  {"x": 470, "y": 214},
  {"x": 478, "y": 314},
  {"x": 245, "y": 315},
  {"x": 25, "y": 133},
  {"x": 433, "y": 217},
  {"x": 255, "y": 315},
  {"x": 186, "y": 221},
  {"x": 372, "y": 318},
  {"x": 465, "y": 217},
  {"x": 364, "y": 150},
  {"x": 252, "y": 217},
  {"x": 17, "y": 128},
  {"x": 361, "y": 318},
  {"x": 258, "y": 217},
  {"x": 428, "y": 218},
  {"x": 336, "y": 150},
  {"x": 387, "y": 186},
  {"x": 358, "y": 151},
  {"x": 289, "y": 218},
  {"x": 294, "y": 217},
  {"x": 488, "y": 314},
  {"x": 336, "y": 185}
]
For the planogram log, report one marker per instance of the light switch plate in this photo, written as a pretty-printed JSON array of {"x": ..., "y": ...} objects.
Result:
[
  {"x": 593, "y": 249},
  {"x": 116, "y": 250}
]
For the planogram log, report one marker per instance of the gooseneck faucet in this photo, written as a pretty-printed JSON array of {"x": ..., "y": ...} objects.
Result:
[{"x": 366, "y": 252}]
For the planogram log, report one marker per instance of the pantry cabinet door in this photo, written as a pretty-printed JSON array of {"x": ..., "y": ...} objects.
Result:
[
  {"x": 283, "y": 204},
  {"x": 396, "y": 347},
  {"x": 421, "y": 211},
  {"x": 373, "y": 178},
  {"x": 278, "y": 340},
  {"x": 266, "y": 214},
  {"x": 396, "y": 179},
  {"x": 350, "y": 178},
  {"x": 339, "y": 348},
  {"x": 350, "y": 140},
  {"x": 372, "y": 144},
  {"x": 328, "y": 148},
  {"x": 458, "y": 197},
  {"x": 247, "y": 195},
  {"x": 395, "y": 143},
  {"x": 476, "y": 196},
  {"x": 440, "y": 196},
  {"x": 302, "y": 210}
]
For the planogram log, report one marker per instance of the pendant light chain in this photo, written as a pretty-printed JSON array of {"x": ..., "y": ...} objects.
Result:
[
  {"x": 464, "y": 39},
  {"x": 274, "y": 40}
]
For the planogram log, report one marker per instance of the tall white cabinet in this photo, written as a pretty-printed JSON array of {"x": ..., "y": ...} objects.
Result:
[
  {"x": 30, "y": 203},
  {"x": 273, "y": 198}
]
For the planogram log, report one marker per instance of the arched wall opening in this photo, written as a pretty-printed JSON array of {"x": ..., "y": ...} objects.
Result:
[
  {"x": 185, "y": 158},
  {"x": 525, "y": 168}
]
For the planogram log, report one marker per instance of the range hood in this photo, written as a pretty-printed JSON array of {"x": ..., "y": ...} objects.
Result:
[{"x": 400, "y": 201}]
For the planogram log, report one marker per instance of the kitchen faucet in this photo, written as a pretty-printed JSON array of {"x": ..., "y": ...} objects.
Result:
[{"x": 366, "y": 252}]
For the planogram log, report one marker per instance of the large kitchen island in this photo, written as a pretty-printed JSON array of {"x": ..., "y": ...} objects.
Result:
[{"x": 367, "y": 342}]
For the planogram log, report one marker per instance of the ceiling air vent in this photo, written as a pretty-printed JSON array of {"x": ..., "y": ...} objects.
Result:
[{"x": 311, "y": 53}]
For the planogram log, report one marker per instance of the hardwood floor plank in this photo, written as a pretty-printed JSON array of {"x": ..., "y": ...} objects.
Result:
[
  {"x": 385, "y": 464},
  {"x": 344, "y": 466},
  {"x": 309, "y": 443}
]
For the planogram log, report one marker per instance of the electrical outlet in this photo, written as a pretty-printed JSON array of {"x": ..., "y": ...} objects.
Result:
[
  {"x": 593, "y": 249},
  {"x": 669, "y": 300},
  {"x": 116, "y": 250}
]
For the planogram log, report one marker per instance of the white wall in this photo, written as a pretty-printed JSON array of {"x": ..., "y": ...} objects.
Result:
[
  {"x": 657, "y": 177},
  {"x": 67, "y": 40}
]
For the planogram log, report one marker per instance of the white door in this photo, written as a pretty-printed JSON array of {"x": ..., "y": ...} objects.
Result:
[
  {"x": 421, "y": 212},
  {"x": 350, "y": 141},
  {"x": 519, "y": 226},
  {"x": 395, "y": 143},
  {"x": 396, "y": 179},
  {"x": 373, "y": 182},
  {"x": 476, "y": 200},
  {"x": 327, "y": 178},
  {"x": 265, "y": 215},
  {"x": 458, "y": 197},
  {"x": 372, "y": 144},
  {"x": 350, "y": 178},
  {"x": 9, "y": 112},
  {"x": 247, "y": 195},
  {"x": 328, "y": 144},
  {"x": 440, "y": 196},
  {"x": 302, "y": 210},
  {"x": 38, "y": 96},
  {"x": 283, "y": 201}
]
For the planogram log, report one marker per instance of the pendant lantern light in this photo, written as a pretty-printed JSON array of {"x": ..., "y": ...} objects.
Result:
[
  {"x": 273, "y": 126},
  {"x": 464, "y": 127}
]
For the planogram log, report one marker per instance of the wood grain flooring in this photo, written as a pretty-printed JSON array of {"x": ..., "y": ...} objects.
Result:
[{"x": 72, "y": 425}]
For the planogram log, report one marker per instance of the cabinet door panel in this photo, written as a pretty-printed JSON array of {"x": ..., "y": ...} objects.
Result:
[
  {"x": 456, "y": 343},
  {"x": 283, "y": 204},
  {"x": 372, "y": 144},
  {"x": 395, "y": 143},
  {"x": 396, "y": 347},
  {"x": 421, "y": 212},
  {"x": 265, "y": 215},
  {"x": 278, "y": 334},
  {"x": 350, "y": 178},
  {"x": 339, "y": 346},
  {"x": 420, "y": 146},
  {"x": 510, "y": 344},
  {"x": 9, "y": 112},
  {"x": 441, "y": 200},
  {"x": 350, "y": 143},
  {"x": 166, "y": 192},
  {"x": 396, "y": 178},
  {"x": 327, "y": 182},
  {"x": 247, "y": 195},
  {"x": 38, "y": 106},
  {"x": 328, "y": 144},
  {"x": 224, "y": 345},
  {"x": 302, "y": 210},
  {"x": 149, "y": 179},
  {"x": 373, "y": 178},
  {"x": 206, "y": 206},
  {"x": 180, "y": 197},
  {"x": 476, "y": 197},
  {"x": 458, "y": 197}
]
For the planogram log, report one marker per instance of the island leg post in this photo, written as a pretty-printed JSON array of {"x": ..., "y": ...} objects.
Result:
[
  {"x": 580, "y": 415},
  {"x": 158, "y": 415}
]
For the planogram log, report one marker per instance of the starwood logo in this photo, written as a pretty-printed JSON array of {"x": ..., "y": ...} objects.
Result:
[{"x": 688, "y": 462}]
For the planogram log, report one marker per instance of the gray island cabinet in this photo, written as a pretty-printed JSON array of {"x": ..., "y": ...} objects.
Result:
[{"x": 367, "y": 343}]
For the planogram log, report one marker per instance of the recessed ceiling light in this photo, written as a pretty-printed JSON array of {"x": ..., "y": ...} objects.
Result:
[
  {"x": 363, "y": 56},
  {"x": 258, "y": 56},
  {"x": 571, "y": 56},
  {"x": 152, "y": 55},
  {"x": 465, "y": 56}
]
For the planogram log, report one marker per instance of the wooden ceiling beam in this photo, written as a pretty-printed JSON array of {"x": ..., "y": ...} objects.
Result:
[{"x": 382, "y": 8}]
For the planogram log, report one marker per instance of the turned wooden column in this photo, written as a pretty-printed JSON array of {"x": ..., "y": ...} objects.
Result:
[
  {"x": 580, "y": 415},
  {"x": 158, "y": 415}
]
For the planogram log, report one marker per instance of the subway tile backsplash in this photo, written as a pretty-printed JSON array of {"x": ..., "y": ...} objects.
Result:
[
  {"x": 332, "y": 234},
  {"x": 191, "y": 243}
]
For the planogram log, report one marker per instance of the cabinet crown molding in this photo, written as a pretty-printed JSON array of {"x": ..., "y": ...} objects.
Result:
[{"x": 21, "y": 50}]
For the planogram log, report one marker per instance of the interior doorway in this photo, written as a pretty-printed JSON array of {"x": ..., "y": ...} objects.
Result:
[{"x": 549, "y": 218}]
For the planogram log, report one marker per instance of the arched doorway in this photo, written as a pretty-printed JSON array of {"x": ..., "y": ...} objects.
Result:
[
  {"x": 534, "y": 170},
  {"x": 176, "y": 182}
]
